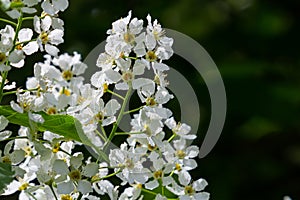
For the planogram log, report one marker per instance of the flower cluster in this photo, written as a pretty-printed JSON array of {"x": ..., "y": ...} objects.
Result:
[{"x": 155, "y": 159}]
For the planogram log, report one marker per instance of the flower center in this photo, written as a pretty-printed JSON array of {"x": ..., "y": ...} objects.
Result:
[
  {"x": 158, "y": 174},
  {"x": 189, "y": 190},
  {"x": 151, "y": 56},
  {"x": 99, "y": 116},
  {"x": 178, "y": 167},
  {"x": 129, "y": 38},
  {"x": 129, "y": 164},
  {"x": 51, "y": 111},
  {"x": 55, "y": 147},
  {"x": 75, "y": 175},
  {"x": 67, "y": 75},
  {"x": 150, "y": 101},
  {"x": 127, "y": 76},
  {"x": 65, "y": 92},
  {"x": 6, "y": 159},
  {"x": 147, "y": 130},
  {"x": 66, "y": 197},
  {"x": 2, "y": 58},
  {"x": 19, "y": 47},
  {"x": 24, "y": 186},
  {"x": 44, "y": 37},
  {"x": 180, "y": 154}
]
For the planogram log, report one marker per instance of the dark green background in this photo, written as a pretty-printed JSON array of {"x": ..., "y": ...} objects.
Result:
[{"x": 255, "y": 45}]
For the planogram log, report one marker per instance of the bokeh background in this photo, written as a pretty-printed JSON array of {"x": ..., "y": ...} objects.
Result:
[{"x": 255, "y": 45}]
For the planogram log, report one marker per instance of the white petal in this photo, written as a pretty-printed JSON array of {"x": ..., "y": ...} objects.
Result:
[
  {"x": 31, "y": 48},
  {"x": 16, "y": 56},
  {"x": 25, "y": 34},
  {"x": 56, "y": 36},
  {"x": 152, "y": 185},
  {"x": 36, "y": 117},
  {"x": 28, "y": 10},
  {"x": 46, "y": 23},
  {"x": 122, "y": 86},
  {"x": 201, "y": 196},
  {"x": 13, "y": 14},
  {"x": 16, "y": 107},
  {"x": 141, "y": 82},
  {"x": 52, "y": 50},
  {"x": 17, "y": 156},
  {"x": 60, "y": 4},
  {"x": 98, "y": 79},
  {"x": 112, "y": 107},
  {"x": 3, "y": 122},
  {"x": 48, "y": 8},
  {"x": 192, "y": 151},
  {"x": 160, "y": 66},
  {"x": 200, "y": 184},
  {"x": 139, "y": 67},
  {"x": 60, "y": 167},
  {"x": 19, "y": 64},
  {"x": 113, "y": 75},
  {"x": 84, "y": 187},
  {"x": 5, "y": 134},
  {"x": 30, "y": 3},
  {"x": 90, "y": 169},
  {"x": 65, "y": 187},
  {"x": 184, "y": 177}
]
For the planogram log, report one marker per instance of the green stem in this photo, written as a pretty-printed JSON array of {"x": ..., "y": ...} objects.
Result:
[
  {"x": 116, "y": 94},
  {"x": 4, "y": 76},
  {"x": 25, "y": 42},
  {"x": 15, "y": 138},
  {"x": 133, "y": 110},
  {"x": 127, "y": 133},
  {"x": 52, "y": 190},
  {"x": 8, "y": 21},
  {"x": 28, "y": 18},
  {"x": 172, "y": 137},
  {"x": 134, "y": 58},
  {"x": 14, "y": 92},
  {"x": 105, "y": 177},
  {"x": 104, "y": 132},
  {"x": 19, "y": 25},
  {"x": 148, "y": 191},
  {"x": 103, "y": 138},
  {"x": 80, "y": 196},
  {"x": 115, "y": 126},
  {"x": 31, "y": 195}
]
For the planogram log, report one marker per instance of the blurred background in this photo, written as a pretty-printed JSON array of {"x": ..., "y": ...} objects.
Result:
[{"x": 254, "y": 44}]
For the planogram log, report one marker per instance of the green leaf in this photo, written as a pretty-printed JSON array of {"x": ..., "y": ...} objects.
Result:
[
  {"x": 6, "y": 176},
  {"x": 63, "y": 125}
]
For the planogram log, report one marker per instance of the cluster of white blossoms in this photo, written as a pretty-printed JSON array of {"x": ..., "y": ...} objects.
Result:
[{"x": 154, "y": 161}]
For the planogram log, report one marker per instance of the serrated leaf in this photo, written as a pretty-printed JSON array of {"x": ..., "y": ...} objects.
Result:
[
  {"x": 63, "y": 125},
  {"x": 6, "y": 176}
]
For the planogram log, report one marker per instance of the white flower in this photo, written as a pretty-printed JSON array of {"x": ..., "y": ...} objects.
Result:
[
  {"x": 189, "y": 190},
  {"x": 18, "y": 7},
  {"x": 54, "y": 6},
  {"x": 159, "y": 169},
  {"x": 48, "y": 38},
  {"x": 147, "y": 124},
  {"x": 130, "y": 163},
  {"x": 3, "y": 123},
  {"x": 123, "y": 34},
  {"x": 180, "y": 129},
  {"x": 6, "y": 86}
]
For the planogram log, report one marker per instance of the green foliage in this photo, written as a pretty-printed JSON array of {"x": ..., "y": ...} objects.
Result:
[
  {"x": 63, "y": 125},
  {"x": 6, "y": 175}
]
